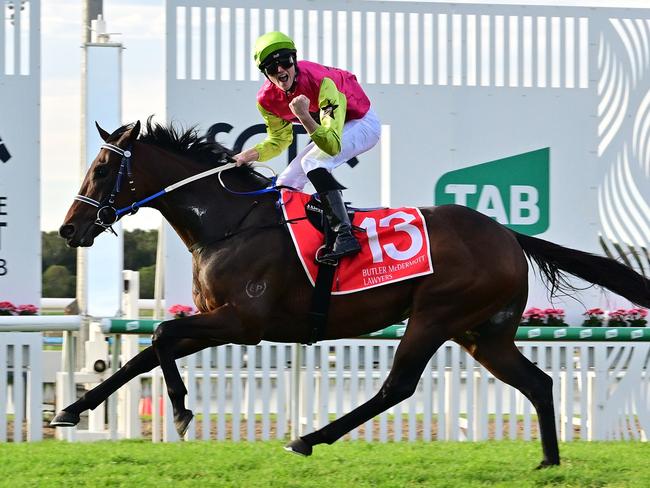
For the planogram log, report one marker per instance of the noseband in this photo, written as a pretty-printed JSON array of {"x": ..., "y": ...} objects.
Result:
[{"x": 107, "y": 214}]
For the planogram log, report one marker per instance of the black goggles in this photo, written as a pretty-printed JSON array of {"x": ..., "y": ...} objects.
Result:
[{"x": 271, "y": 68}]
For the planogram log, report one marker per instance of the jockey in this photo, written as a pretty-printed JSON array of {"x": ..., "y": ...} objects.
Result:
[{"x": 334, "y": 110}]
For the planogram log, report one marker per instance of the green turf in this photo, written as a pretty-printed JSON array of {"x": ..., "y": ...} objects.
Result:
[{"x": 344, "y": 464}]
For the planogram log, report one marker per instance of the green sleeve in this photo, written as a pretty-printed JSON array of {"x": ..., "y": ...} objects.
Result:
[
  {"x": 279, "y": 135},
  {"x": 333, "y": 105}
]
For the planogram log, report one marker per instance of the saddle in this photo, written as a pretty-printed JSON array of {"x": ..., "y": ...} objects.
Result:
[{"x": 402, "y": 229}]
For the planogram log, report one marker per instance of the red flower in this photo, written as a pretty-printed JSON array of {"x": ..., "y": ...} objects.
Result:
[
  {"x": 7, "y": 308},
  {"x": 534, "y": 313},
  {"x": 27, "y": 309},
  {"x": 618, "y": 314},
  {"x": 594, "y": 313},
  {"x": 556, "y": 313},
  {"x": 180, "y": 311},
  {"x": 637, "y": 313}
]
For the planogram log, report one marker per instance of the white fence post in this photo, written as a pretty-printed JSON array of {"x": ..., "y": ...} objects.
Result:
[
  {"x": 26, "y": 387},
  {"x": 295, "y": 394},
  {"x": 129, "y": 424}
]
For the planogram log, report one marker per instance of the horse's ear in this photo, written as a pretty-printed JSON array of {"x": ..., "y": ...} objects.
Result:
[
  {"x": 134, "y": 132},
  {"x": 102, "y": 133}
]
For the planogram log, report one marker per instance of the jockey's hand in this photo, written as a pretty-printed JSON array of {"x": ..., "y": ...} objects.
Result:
[
  {"x": 239, "y": 159},
  {"x": 300, "y": 106},
  {"x": 246, "y": 157}
]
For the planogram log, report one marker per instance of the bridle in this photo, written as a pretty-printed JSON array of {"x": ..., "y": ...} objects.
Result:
[{"x": 107, "y": 214}]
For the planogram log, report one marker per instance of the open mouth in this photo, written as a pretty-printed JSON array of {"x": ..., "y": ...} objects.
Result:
[{"x": 283, "y": 77}]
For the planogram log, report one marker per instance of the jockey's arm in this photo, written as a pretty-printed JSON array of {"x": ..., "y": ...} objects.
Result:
[
  {"x": 332, "y": 104},
  {"x": 279, "y": 135}
]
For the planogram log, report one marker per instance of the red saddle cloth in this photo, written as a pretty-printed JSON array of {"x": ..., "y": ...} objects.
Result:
[{"x": 395, "y": 246}]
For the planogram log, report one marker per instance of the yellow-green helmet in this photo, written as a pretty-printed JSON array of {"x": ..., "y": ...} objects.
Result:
[{"x": 269, "y": 43}]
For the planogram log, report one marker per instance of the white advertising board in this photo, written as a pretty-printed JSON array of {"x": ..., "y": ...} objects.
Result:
[
  {"x": 20, "y": 234},
  {"x": 537, "y": 116}
]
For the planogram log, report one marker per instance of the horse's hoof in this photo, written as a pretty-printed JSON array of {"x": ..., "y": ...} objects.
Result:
[
  {"x": 547, "y": 464},
  {"x": 65, "y": 419},
  {"x": 182, "y": 422},
  {"x": 298, "y": 446}
]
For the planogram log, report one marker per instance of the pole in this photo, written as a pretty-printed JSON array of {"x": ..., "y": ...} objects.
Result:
[
  {"x": 295, "y": 398},
  {"x": 70, "y": 368},
  {"x": 159, "y": 279},
  {"x": 112, "y": 400},
  {"x": 91, "y": 9}
]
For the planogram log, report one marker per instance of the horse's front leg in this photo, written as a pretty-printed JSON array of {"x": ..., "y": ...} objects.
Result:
[
  {"x": 221, "y": 325},
  {"x": 141, "y": 363}
]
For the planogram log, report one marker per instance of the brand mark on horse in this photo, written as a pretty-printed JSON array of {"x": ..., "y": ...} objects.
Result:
[{"x": 255, "y": 289}]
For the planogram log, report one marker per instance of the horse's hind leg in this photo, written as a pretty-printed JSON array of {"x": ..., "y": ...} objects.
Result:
[
  {"x": 494, "y": 348},
  {"x": 414, "y": 351}
]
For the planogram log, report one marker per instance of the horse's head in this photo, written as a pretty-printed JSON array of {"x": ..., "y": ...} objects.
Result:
[{"x": 107, "y": 186}]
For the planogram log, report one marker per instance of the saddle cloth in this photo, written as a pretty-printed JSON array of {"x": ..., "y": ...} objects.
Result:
[{"x": 395, "y": 246}]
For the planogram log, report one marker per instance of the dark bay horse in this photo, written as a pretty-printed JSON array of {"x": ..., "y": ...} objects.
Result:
[{"x": 475, "y": 297}]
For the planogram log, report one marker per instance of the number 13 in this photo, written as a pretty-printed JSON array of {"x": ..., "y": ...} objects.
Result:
[{"x": 378, "y": 250}]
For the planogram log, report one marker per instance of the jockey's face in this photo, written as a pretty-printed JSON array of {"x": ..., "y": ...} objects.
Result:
[{"x": 284, "y": 77}]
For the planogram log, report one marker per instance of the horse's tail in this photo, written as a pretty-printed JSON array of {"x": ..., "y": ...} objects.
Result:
[{"x": 554, "y": 261}]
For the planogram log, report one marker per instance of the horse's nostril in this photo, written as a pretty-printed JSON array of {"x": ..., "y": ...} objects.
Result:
[{"x": 66, "y": 231}]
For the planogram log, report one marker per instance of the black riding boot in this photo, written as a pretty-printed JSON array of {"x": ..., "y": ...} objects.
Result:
[{"x": 337, "y": 217}]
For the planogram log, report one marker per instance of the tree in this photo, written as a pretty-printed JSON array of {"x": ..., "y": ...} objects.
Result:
[
  {"x": 139, "y": 255},
  {"x": 140, "y": 248},
  {"x": 58, "y": 283},
  {"x": 147, "y": 280},
  {"x": 56, "y": 252}
]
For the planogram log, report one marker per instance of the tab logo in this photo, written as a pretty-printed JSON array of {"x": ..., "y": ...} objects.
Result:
[
  {"x": 534, "y": 333},
  {"x": 514, "y": 191},
  {"x": 133, "y": 325},
  {"x": 559, "y": 333},
  {"x": 585, "y": 333}
]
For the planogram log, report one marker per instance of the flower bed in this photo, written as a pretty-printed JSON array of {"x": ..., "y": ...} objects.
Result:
[
  {"x": 8, "y": 308},
  {"x": 535, "y": 317},
  {"x": 594, "y": 317}
]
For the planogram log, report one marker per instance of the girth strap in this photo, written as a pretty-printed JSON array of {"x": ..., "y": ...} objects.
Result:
[{"x": 320, "y": 302}]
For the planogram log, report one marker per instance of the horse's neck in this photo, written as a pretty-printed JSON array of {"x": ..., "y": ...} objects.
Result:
[{"x": 204, "y": 212}]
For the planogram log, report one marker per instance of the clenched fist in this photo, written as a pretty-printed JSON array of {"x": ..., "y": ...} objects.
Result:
[{"x": 299, "y": 106}]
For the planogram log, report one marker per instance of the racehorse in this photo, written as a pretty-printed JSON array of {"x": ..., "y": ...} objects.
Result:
[{"x": 475, "y": 297}]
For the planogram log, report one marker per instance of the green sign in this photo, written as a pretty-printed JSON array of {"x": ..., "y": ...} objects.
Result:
[{"x": 514, "y": 191}]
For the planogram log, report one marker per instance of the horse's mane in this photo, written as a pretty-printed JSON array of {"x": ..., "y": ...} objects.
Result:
[{"x": 185, "y": 142}]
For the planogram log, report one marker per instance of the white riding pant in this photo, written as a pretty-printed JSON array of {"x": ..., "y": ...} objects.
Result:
[{"x": 359, "y": 136}]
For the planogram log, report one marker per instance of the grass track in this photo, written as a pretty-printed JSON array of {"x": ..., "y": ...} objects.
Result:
[{"x": 345, "y": 464}]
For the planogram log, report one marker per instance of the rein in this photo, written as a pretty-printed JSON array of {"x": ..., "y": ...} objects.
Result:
[{"x": 107, "y": 214}]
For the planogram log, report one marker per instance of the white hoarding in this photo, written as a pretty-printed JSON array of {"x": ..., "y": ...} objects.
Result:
[
  {"x": 20, "y": 236},
  {"x": 537, "y": 116}
]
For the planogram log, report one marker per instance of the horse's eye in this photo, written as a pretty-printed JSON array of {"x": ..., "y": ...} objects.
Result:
[{"x": 101, "y": 171}]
